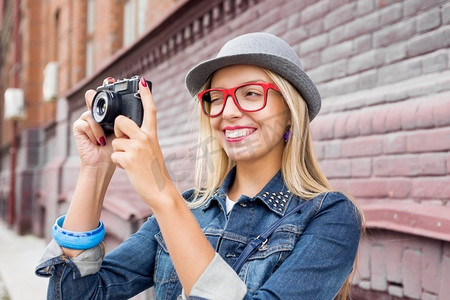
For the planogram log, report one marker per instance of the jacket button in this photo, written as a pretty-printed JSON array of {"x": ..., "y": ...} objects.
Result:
[{"x": 242, "y": 204}]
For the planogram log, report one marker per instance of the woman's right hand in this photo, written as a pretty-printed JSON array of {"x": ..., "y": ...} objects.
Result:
[{"x": 94, "y": 147}]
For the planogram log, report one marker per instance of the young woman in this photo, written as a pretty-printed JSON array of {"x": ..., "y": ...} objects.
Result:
[{"x": 256, "y": 103}]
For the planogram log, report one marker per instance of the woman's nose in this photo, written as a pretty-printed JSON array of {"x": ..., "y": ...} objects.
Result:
[{"x": 231, "y": 110}]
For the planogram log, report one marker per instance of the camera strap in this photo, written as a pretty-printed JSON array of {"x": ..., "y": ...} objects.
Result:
[{"x": 261, "y": 240}]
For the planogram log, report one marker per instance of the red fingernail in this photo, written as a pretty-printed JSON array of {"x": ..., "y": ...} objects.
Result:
[
  {"x": 102, "y": 141},
  {"x": 143, "y": 82}
]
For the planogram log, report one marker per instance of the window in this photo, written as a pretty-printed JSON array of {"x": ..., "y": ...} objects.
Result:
[
  {"x": 90, "y": 24},
  {"x": 89, "y": 57},
  {"x": 134, "y": 17}
]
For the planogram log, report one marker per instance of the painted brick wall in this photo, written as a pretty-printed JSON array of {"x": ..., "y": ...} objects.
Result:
[
  {"x": 382, "y": 68},
  {"x": 403, "y": 266}
]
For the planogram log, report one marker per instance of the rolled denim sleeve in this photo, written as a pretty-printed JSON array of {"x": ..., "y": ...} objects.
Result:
[
  {"x": 123, "y": 273},
  {"x": 87, "y": 263},
  {"x": 218, "y": 281}
]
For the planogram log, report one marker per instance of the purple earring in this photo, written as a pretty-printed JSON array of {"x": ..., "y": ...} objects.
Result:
[{"x": 287, "y": 135}]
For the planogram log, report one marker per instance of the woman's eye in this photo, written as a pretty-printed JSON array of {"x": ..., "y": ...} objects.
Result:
[
  {"x": 253, "y": 93},
  {"x": 216, "y": 99}
]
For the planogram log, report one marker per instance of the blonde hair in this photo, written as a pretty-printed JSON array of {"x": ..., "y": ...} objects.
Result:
[{"x": 300, "y": 168}]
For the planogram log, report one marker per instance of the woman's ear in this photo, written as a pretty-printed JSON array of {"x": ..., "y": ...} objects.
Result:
[{"x": 289, "y": 116}]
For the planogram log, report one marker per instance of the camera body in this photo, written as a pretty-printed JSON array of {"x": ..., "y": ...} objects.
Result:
[{"x": 118, "y": 98}]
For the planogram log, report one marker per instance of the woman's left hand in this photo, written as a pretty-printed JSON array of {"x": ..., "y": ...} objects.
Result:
[{"x": 137, "y": 150}]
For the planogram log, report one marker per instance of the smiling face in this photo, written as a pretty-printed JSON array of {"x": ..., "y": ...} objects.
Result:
[{"x": 250, "y": 136}]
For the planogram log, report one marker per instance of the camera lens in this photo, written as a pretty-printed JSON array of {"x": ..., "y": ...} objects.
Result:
[
  {"x": 106, "y": 106},
  {"x": 101, "y": 107}
]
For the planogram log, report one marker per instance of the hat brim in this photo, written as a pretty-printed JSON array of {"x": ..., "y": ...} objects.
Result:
[{"x": 198, "y": 75}]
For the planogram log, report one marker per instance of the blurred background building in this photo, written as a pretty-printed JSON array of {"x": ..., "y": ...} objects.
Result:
[{"x": 382, "y": 67}]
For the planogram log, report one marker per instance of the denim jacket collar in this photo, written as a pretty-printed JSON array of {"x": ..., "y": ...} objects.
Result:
[{"x": 275, "y": 195}]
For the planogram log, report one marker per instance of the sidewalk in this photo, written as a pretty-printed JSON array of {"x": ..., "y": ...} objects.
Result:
[{"x": 19, "y": 256}]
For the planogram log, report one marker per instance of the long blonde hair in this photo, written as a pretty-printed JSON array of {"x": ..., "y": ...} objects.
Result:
[{"x": 300, "y": 168}]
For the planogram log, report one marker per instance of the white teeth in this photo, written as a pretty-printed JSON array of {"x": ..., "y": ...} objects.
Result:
[{"x": 238, "y": 133}]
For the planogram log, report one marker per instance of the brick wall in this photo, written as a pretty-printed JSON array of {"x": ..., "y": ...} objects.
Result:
[
  {"x": 382, "y": 134},
  {"x": 56, "y": 31},
  {"x": 158, "y": 10},
  {"x": 50, "y": 31},
  {"x": 382, "y": 68},
  {"x": 404, "y": 265}
]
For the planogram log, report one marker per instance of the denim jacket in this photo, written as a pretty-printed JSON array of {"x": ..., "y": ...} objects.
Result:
[{"x": 308, "y": 256}]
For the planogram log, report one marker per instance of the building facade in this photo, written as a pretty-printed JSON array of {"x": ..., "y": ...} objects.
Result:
[{"x": 383, "y": 135}]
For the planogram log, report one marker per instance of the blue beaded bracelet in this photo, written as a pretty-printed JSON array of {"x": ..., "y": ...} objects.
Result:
[{"x": 77, "y": 240}]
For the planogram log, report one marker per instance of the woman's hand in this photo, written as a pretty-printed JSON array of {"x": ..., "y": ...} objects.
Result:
[
  {"x": 137, "y": 151},
  {"x": 93, "y": 146},
  {"x": 95, "y": 174}
]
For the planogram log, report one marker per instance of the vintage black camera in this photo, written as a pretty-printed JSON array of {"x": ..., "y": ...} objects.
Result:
[{"x": 118, "y": 98}]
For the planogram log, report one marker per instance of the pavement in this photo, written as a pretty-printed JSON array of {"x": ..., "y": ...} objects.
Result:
[{"x": 19, "y": 256}]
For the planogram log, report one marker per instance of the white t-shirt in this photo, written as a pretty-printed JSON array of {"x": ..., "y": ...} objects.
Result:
[{"x": 230, "y": 203}]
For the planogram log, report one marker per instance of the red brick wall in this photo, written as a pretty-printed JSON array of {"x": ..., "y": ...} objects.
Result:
[
  {"x": 56, "y": 30},
  {"x": 158, "y": 10}
]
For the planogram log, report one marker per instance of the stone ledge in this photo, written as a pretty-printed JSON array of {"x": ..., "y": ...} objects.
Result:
[{"x": 431, "y": 221}]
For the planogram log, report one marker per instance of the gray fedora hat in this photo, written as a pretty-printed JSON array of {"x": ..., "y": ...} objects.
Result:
[{"x": 264, "y": 50}]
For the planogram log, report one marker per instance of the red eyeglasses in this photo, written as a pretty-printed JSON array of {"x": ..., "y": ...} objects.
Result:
[{"x": 249, "y": 97}]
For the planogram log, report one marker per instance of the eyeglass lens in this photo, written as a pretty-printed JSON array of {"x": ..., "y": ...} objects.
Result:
[{"x": 248, "y": 97}]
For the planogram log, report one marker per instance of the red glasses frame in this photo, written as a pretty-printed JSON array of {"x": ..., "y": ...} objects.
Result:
[{"x": 232, "y": 92}]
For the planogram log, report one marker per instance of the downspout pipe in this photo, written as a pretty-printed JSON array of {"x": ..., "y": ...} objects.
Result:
[{"x": 15, "y": 124}]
